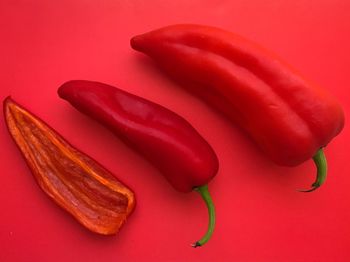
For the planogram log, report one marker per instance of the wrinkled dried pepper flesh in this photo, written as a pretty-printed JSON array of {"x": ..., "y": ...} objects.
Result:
[{"x": 77, "y": 183}]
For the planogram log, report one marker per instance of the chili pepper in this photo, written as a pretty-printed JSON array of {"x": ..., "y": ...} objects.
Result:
[
  {"x": 290, "y": 118},
  {"x": 166, "y": 139},
  {"x": 74, "y": 181}
]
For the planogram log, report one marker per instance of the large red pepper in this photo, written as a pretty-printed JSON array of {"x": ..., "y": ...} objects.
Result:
[
  {"x": 289, "y": 117},
  {"x": 163, "y": 137}
]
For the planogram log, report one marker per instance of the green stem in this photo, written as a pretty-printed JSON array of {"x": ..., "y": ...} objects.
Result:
[
  {"x": 203, "y": 191},
  {"x": 321, "y": 165}
]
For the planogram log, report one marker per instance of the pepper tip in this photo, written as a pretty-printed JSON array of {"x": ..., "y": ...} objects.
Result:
[{"x": 7, "y": 99}]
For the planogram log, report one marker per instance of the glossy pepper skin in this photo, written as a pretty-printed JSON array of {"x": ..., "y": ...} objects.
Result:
[
  {"x": 74, "y": 181},
  {"x": 166, "y": 139},
  {"x": 290, "y": 118}
]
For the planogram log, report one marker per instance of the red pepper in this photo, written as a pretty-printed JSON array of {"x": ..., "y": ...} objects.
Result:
[
  {"x": 163, "y": 137},
  {"x": 290, "y": 118}
]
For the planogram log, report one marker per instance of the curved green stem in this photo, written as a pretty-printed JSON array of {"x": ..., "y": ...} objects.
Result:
[
  {"x": 321, "y": 165},
  {"x": 203, "y": 191}
]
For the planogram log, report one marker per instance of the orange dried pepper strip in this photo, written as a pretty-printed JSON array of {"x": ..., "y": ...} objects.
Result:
[{"x": 77, "y": 183}]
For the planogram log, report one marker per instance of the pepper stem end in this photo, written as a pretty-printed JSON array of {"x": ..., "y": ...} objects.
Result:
[
  {"x": 196, "y": 244},
  {"x": 321, "y": 165},
  {"x": 204, "y": 192}
]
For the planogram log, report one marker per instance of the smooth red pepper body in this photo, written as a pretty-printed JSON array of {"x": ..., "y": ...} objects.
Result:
[
  {"x": 166, "y": 139},
  {"x": 289, "y": 117},
  {"x": 163, "y": 137}
]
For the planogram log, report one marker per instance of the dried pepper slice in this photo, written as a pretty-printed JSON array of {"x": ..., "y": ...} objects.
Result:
[{"x": 77, "y": 183}]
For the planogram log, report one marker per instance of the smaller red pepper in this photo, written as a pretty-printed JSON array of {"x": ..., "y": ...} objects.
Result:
[{"x": 166, "y": 139}]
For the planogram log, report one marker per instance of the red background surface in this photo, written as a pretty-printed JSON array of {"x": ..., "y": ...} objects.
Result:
[{"x": 260, "y": 216}]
